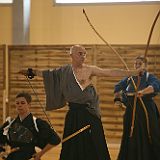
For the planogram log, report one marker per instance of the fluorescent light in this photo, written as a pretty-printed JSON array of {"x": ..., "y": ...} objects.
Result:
[
  {"x": 6, "y": 1},
  {"x": 101, "y": 1}
]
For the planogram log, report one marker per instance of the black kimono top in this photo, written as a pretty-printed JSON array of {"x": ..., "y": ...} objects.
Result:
[{"x": 28, "y": 133}]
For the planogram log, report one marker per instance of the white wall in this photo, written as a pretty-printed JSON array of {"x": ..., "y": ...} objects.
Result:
[
  {"x": 118, "y": 24},
  {"x": 5, "y": 24}
]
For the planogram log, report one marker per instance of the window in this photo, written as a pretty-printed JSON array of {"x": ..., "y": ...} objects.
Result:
[
  {"x": 6, "y": 1},
  {"x": 100, "y": 1}
]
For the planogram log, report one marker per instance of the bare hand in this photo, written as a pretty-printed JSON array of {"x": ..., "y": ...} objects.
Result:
[
  {"x": 140, "y": 93},
  {"x": 118, "y": 103},
  {"x": 37, "y": 156}
]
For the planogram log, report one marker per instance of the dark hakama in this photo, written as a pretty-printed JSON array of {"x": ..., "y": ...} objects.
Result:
[
  {"x": 139, "y": 146},
  {"x": 88, "y": 145},
  {"x": 61, "y": 86}
]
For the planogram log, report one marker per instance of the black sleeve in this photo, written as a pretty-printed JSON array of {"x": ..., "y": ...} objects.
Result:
[
  {"x": 3, "y": 138},
  {"x": 46, "y": 134}
]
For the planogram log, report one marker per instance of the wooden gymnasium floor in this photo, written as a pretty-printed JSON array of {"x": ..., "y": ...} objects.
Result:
[{"x": 53, "y": 154}]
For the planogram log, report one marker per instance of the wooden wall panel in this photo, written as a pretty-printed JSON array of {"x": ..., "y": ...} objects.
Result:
[
  {"x": 2, "y": 78},
  {"x": 45, "y": 57},
  {"x": 37, "y": 57}
]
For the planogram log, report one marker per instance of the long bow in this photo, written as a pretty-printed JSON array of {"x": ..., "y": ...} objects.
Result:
[
  {"x": 145, "y": 55},
  {"x": 150, "y": 33},
  {"x": 124, "y": 63}
]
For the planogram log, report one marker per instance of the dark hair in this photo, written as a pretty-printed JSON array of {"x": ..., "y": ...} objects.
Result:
[
  {"x": 26, "y": 95},
  {"x": 142, "y": 58}
]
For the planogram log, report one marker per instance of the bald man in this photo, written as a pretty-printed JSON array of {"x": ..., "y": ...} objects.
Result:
[{"x": 72, "y": 84}]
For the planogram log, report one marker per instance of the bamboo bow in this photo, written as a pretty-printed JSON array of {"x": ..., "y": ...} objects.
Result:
[
  {"x": 150, "y": 33},
  {"x": 124, "y": 63}
]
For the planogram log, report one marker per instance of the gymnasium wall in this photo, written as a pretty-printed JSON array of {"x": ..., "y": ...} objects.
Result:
[{"x": 51, "y": 56}]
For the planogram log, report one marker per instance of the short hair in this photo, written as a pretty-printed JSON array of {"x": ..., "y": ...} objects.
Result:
[
  {"x": 26, "y": 95},
  {"x": 75, "y": 47},
  {"x": 142, "y": 58}
]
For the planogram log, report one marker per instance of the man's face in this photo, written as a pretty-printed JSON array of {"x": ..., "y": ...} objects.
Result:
[
  {"x": 139, "y": 63},
  {"x": 79, "y": 55},
  {"x": 22, "y": 106}
]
